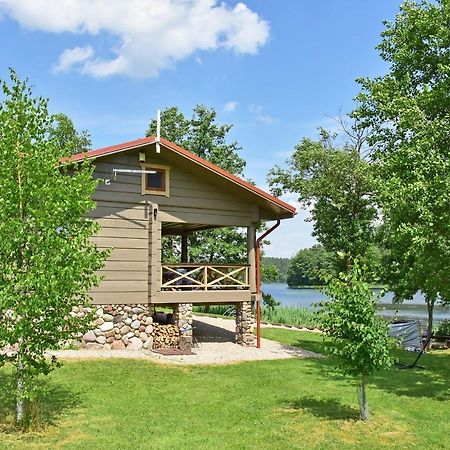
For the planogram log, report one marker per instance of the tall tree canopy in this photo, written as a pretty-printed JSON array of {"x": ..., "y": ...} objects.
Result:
[
  {"x": 306, "y": 268},
  {"x": 335, "y": 184},
  {"x": 65, "y": 135},
  {"x": 408, "y": 110},
  {"x": 274, "y": 270},
  {"x": 47, "y": 261},
  {"x": 203, "y": 136}
]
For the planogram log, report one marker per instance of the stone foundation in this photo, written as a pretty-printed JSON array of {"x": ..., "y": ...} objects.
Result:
[
  {"x": 131, "y": 326},
  {"x": 182, "y": 314},
  {"x": 118, "y": 327},
  {"x": 245, "y": 324}
]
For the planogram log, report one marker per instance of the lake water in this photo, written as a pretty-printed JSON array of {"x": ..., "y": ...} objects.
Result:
[{"x": 414, "y": 309}]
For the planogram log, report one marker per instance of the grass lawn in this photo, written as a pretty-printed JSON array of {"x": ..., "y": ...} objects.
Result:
[{"x": 283, "y": 404}]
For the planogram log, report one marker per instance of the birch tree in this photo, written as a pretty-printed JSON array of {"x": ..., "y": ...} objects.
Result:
[
  {"x": 47, "y": 262},
  {"x": 356, "y": 334}
]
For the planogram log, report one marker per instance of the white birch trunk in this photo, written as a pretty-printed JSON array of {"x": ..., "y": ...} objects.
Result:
[
  {"x": 20, "y": 394},
  {"x": 362, "y": 399}
]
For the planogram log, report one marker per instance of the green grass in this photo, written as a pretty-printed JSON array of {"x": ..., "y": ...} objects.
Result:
[
  {"x": 214, "y": 310},
  {"x": 284, "y": 404}
]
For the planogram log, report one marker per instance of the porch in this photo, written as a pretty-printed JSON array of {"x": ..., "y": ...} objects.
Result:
[
  {"x": 189, "y": 282},
  {"x": 204, "y": 283}
]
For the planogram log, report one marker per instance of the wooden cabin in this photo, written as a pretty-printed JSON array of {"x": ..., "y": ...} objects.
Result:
[{"x": 151, "y": 189}]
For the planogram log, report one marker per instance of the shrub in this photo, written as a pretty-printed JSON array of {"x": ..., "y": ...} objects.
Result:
[{"x": 443, "y": 328}]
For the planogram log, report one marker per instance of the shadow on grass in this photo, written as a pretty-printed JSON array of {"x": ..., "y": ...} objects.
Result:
[
  {"x": 50, "y": 403},
  {"x": 330, "y": 409},
  {"x": 430, "y": 382},
  {"x": 312, "y": 346}
]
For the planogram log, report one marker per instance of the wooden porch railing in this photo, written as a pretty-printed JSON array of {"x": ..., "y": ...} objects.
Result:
[{"x": 204, "y": 277}]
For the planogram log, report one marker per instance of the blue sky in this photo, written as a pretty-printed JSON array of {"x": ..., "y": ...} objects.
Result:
[{"x": 275, "y": 69}]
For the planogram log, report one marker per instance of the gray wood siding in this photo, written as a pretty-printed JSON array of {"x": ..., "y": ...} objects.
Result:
[
  {"x": 124, "y": 229},
  {"x": 123, "y": 214},
  {"x": 191, "y": 199},
  {"x": 125, "y": 274}
]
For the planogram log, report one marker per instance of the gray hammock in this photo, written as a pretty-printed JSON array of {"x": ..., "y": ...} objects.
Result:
[{"x": 409, "y": 335}]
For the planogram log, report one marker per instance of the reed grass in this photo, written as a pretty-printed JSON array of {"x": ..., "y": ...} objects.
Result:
[
  {"x": 286, "y": 315},
  {"x": 290, "y": 315}
]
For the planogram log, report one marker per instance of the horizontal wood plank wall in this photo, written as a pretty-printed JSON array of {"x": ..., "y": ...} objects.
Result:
[
  {"x": 191, "y": 199},
  {"x": 124, "y": 228}
]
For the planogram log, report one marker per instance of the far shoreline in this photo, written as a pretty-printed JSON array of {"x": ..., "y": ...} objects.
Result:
[{"x": 318, "y": 287}]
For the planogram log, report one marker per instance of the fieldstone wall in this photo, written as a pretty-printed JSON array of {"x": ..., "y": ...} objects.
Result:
[
  {"x": 131, "y": 327},
  {"x": 182, "y": 314},
  {"x": 245, "y": 324},
  {"x": 118, "y": 327}
]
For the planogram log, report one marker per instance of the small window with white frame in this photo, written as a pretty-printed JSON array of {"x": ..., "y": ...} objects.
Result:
[{"x": 156, "y": 179}]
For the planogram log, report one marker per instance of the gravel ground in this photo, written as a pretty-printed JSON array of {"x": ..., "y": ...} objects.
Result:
[{"x": 213, "y": 344}]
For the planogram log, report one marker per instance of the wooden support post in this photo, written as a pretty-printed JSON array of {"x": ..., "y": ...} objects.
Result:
[
  {"x": 251, "y": 249},
  {"x": 184, "y": 248}
]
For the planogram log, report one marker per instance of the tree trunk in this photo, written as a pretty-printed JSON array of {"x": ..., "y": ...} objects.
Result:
[
  {"x": 362, "y": 399},
  {"x": 430, "y": 310},
  {"x": 20, "y": 394}
]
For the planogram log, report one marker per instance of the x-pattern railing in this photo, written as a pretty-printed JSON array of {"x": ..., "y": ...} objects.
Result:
[{"x": 204, "y": 276}]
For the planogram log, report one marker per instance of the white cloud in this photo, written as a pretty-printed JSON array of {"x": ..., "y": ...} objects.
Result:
[
  {"x": 230, "y": 106},
  {"x": 257, "y": 111},
  {"x": 72, "y": 56},
  {"x": 152, "y": 34}
]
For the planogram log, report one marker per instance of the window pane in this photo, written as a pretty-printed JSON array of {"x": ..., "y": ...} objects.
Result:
[{"x": 156, "y": 180}]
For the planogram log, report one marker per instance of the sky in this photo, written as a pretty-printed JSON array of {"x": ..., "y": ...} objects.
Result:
[{"x": 275, "y": 69}]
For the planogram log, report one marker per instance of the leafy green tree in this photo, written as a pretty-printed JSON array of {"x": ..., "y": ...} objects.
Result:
[
  {"x": 269, "y": 272},
  {"x": 221, "y": 246},
  {"x": 408, "y": 110},
  {"x": 174, "y": 127},
  {"x": 308, "y": 266},
  {"x": 281, "y": 265},
  {"x": 354, "y": 332},
  {"x": 63, "y": 132},
  {"x": 201, "y": 135},
  {"x": 335, "y": 184},
  {"x": 47, "y": 262},
  {"x": 204, "y": 137}
]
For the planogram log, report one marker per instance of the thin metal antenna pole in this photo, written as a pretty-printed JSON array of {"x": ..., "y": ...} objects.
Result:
[{"x": 158, "y": 130}]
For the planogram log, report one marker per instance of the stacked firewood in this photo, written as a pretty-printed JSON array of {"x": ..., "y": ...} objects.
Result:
[{"x": 165, "y": 336}]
